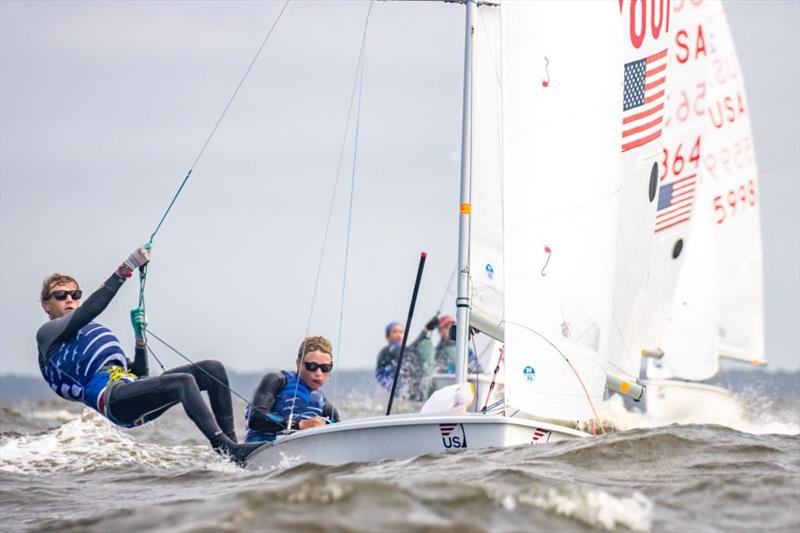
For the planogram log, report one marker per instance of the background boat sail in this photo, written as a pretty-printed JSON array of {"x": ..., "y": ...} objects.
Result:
[
  {"x": 554, "y": 261},
  {"x": 710, "y": 190}
]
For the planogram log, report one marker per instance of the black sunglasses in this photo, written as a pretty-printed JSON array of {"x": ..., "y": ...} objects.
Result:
[
  {"x": 312, "y": 367},
  {"x": 62, "y": 295}
]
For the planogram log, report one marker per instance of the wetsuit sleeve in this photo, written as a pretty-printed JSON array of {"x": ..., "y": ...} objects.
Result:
[
  {"x": 330, "y": 412},
  {"x": 140, "y": 365},
  {"x": 56, "y": 331},
  {"x": 263, "y": 401}
]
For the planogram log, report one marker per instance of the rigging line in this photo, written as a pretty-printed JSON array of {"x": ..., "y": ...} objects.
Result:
[
  {"x": 212, "y": 376},
  {"x": 360, "y": 74},
  {"x": 149, "y": 349},
  {"x": 336, "y": 184},
  {"x": 219, "y": 120},
  {"x": 336, "y": 181},
  {"x": 585, "y": 390},
  {"x": 350, "y": 208},
  {"x": 447, "y": 289}
]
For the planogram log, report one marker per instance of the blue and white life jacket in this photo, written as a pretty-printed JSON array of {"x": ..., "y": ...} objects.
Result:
[
  {"x": 74, "y": 370},
  {"x": 307, "y": 404}
]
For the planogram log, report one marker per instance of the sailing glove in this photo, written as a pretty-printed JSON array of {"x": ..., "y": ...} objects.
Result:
[
  {"x": 139, "y": 258},
  {"x": 139, "y": 323}
]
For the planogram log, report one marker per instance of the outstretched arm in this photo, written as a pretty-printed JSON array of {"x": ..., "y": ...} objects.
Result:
[{"x": 53, "y": 333}]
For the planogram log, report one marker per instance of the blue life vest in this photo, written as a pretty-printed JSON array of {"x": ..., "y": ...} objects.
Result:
[
  {"x": 307, "y": 404},
  {"x": 73, "y": 371}
]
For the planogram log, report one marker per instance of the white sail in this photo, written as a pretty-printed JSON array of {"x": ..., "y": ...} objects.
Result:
[
  {"x": 718, "y": 305},
  {"x": 561, "y": 177},
  {"x": 486, "y": 242},
  {"x": 690, "y": 338},
  {"x": 733, "y": 198},
  {"x": 645, "y": 35}
]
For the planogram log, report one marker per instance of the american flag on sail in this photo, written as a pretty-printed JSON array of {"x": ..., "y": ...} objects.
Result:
[
  {"x": 643, "y": 100},
  {"x": 675, "y": 202}
]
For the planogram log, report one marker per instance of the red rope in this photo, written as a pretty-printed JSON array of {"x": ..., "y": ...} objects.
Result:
[{"x": 494, "y": 377}]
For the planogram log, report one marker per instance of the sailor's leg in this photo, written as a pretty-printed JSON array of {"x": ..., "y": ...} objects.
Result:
[
  {"x": 128, "y": 402},
  {"x": 211, "y": 377}
]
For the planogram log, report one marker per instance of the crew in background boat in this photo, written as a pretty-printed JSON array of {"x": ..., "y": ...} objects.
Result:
[
  {"x": 83, "y": 361},
  {"x": 296, "y": 395},
  {"x": 417, "y": 361},
  {"x": 445, "y": 355}
]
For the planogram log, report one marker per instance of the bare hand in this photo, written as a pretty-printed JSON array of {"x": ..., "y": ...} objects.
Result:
[{"x": 310, "y": 423}]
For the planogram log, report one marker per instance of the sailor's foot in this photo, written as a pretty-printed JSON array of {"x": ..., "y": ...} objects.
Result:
[{"x": 237, "y": 453}]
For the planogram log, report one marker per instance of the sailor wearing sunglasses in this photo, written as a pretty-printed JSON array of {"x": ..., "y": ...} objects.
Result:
[
  {"x": 83, "y": 361},
  {"x": 293, "y": 395}
]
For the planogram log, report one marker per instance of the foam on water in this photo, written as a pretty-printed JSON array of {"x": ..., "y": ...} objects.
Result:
[
  {"x": 91, "y": 442},
  {"x": 594, "y": 507},
  {"x": 754, "y": 415}
]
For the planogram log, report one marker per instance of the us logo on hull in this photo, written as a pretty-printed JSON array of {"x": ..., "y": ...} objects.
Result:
[{"x": 451, "y": 438}]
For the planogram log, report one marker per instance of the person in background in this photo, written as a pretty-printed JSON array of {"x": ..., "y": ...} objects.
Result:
[
  {"x": 83, "y": 361},
  {"x": 445, "y": 354},
  {"x": 417, "y": 361},
  {"x": 293, "y": 399}
]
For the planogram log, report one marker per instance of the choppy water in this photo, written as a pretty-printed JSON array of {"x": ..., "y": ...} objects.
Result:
[{"x": 63, "y": 468}]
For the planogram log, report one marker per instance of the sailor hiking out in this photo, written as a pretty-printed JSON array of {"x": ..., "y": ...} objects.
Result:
[{"x": 83, "y": 361}]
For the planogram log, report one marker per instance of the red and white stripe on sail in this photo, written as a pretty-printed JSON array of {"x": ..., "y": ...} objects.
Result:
[{"x": 643, "y": 100}]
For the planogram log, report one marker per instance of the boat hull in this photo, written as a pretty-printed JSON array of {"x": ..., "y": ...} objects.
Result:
[
  {"x": 674, "y": 401},
  {"x": 404, "y": 437}
]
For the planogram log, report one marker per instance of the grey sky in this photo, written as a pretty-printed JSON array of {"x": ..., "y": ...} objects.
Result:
[{"x": 104, "y": 105}]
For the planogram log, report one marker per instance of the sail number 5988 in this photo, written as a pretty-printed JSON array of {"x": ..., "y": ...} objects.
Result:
[{"x": 740, "y": 198}]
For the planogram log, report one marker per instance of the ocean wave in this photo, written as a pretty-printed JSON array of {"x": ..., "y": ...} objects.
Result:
[
  {"x": 757, "y": 415},
  {"x": 90, "y": 442},
  {"x": 386, "y": 505}
]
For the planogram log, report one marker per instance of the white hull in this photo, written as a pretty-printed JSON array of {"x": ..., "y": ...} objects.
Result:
[
  {"x": 404, "y": 437},
  {"x": 673, "y": 401}
]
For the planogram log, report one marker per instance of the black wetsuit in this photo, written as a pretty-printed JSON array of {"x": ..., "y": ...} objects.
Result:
[
  {"x": 276, "y": 397},
  {"x": 83, "y": 361}
]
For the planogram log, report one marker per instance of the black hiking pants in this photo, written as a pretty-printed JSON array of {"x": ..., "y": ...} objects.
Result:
[{"x": 150, "y": 397}]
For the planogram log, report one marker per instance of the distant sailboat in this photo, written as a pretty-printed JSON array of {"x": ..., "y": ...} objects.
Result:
[
  {"x": 556, "y": 226},
  {"x": 710, "y": 187}
]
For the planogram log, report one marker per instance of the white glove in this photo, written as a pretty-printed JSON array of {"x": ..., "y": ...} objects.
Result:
[{"x": 139, "y": 258}]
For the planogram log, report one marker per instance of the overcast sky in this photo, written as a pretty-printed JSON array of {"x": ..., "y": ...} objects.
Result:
[{"x": 104, "y": 106}]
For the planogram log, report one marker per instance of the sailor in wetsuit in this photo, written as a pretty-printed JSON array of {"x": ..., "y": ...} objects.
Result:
[
  {"x": 83, "y": 361},
  {"x": 293, "y": 395},
  {"x": 417, "y": 361}
]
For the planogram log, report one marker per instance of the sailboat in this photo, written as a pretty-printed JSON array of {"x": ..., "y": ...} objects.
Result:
[
  {"x": 561, "y": 136},
  {"x": 710, "y": 175}
]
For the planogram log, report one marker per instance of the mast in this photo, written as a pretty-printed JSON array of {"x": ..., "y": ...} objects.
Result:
[{"x": 465, "y": 206}]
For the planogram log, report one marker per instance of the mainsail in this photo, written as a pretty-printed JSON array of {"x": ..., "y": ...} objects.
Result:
[
  {"x": 562, "y": 214},
  {"x": 717, "y": 308}
]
